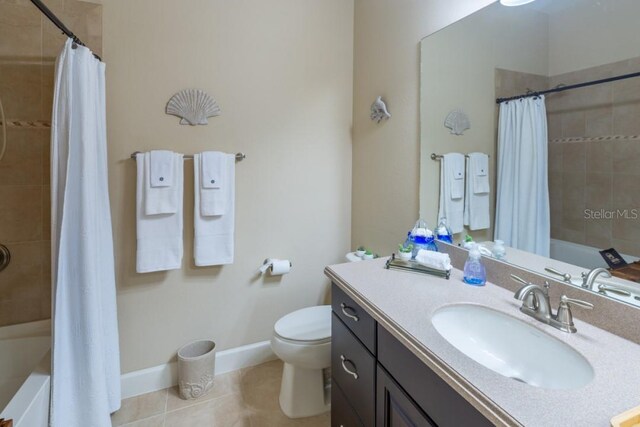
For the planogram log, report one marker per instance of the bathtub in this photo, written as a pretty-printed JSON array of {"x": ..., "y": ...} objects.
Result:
[
  {"x": 583, "y": 256},
  {"x": 25, "y": 373}
]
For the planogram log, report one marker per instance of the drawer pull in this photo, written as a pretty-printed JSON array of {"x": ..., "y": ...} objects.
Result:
[
  {"x": 344, "y": 308},
  {"x": 354, "y": 373}
]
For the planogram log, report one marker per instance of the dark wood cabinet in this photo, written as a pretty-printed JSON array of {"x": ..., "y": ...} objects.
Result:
[
  {"x": 395, "y": 407},
  {"x": 353, "y": 368},
  {"x": 378, "y": 382},
  {"x": 342, "y": 414}
]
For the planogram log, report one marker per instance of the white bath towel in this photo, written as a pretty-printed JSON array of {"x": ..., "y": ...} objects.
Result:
[
  {"x": 212, "y": 188},
  {"x": 476, "y": 202},
  {"x": 437, "y": 260},
  {"x": 452, "y": 191},
  {"x": 159, "y": 237},
  {"x": 161, "y": 168},
  {"x": 162, "y": 199},
  {"x": 214, "y": 235}
]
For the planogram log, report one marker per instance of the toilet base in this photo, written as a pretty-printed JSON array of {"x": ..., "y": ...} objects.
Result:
[{"x": 302, "y": 392}]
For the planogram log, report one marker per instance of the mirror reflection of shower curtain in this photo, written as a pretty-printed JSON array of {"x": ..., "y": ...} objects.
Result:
[
  {"x": 522, "y": 200},
  {"x": 85, "y": 375}
]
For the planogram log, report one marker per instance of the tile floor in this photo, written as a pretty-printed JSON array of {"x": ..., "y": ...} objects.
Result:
[{"x": 244, "y": 398}]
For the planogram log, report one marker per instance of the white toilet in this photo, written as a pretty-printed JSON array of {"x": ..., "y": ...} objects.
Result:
[{"x": 302, "y": 340}]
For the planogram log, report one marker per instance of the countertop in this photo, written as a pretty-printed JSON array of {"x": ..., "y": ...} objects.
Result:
[{"x": 404, "y": 302}]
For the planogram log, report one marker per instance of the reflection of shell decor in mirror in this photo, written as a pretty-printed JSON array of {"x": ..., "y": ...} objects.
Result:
[
  {"x": 379, "y": 110},
  {"x": 457, "y": 121},
  {"x": 193, "y": 106}
]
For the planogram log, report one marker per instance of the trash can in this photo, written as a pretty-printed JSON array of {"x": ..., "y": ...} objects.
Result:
[{"x": 196, "y": 368}]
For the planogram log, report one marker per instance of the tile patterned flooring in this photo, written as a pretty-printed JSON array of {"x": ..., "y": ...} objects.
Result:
[{"x": 244, "y": 398}]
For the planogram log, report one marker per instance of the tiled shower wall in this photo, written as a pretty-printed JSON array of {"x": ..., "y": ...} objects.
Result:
[
  {"x": 594, "y": 159},
  {"x": 29, "y": 44}
]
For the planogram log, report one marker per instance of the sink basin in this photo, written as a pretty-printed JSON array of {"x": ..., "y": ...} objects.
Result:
[{"x": 511, "y": 347}]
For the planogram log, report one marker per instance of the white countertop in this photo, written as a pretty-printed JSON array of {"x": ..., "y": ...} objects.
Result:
[{"x": 404, "y": 303}]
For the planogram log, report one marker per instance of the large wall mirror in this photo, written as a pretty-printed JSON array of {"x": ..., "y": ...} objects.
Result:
[{"x": 564, "y": 166}]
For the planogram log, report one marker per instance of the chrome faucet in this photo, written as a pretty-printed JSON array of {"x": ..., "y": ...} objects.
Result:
[
  {"x": 588, "y": 279},
  {"x": 535, "y": 303}
]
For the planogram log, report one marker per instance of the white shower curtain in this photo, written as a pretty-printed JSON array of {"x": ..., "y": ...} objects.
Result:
[
  {"x": 522, "y": 205},
  {"x": 85, "y": 355}
]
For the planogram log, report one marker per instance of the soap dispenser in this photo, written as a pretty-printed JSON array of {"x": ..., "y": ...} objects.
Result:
[{"x": 474, "y": 272}]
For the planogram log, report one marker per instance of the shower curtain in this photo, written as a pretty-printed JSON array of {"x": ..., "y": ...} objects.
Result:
[
  {"x": 522, "y": 204},
  {"x": 85, "y": 377}
]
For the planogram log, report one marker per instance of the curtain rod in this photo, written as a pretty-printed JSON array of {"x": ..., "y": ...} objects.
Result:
[
  {"x": 569, "y": 87},
  {"x": 58, "y": 23}
]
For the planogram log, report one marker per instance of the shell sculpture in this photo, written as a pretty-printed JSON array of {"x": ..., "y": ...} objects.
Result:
[
  {"x": 379, "y": 110},
  {"x": 193, "y": 106},
  {"x": 457, "y": 121}
]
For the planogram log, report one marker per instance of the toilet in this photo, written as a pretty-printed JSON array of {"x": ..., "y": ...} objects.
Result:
[{"x": 302, "y": 340}]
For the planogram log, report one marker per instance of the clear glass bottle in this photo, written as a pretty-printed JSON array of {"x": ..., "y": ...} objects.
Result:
[
  {"x": 474, "y": 271},
  {"x": 422, "y": 238},
  {"x": 443, "y": 232}
]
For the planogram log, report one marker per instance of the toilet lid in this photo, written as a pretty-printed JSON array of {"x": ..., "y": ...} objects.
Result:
[{"x": 307, "y": 324}]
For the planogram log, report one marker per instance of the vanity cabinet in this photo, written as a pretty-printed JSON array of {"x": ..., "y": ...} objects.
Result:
[
  {"x": 395, "y": 407},
  {"x": 378, "y": 382}
]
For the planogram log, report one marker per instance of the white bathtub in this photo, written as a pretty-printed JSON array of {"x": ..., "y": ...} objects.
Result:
[
  {"x": 583, "y": 256},
  {"x": 24, "y": 373}
]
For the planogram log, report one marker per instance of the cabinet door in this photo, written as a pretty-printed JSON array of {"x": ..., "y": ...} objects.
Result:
[
  {"x": 394, "y": 407},
  {"x": 342, "y": 414}
]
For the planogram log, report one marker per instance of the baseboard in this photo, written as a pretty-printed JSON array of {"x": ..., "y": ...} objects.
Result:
[{"x": 159, "y": 377}]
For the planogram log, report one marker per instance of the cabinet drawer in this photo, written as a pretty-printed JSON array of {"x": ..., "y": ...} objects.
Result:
[
  {"x": 442, "y": 403},
  {"x": 342, "y": 414},
  {"x": 353, "y": 369},
  {"x": 354, "y": 316}
]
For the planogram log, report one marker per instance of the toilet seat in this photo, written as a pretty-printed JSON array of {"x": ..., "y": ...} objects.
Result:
[{"x": 308, "y": 326}]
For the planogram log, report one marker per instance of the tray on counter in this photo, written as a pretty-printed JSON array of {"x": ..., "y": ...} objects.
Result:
[{"x": 394, "y": 263}]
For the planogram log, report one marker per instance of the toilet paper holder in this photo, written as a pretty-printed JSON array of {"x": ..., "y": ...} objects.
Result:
[{"x": 267, "y": 264}]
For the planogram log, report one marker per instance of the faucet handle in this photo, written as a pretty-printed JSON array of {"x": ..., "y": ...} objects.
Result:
[
  {"x": 519, "y": 279},
  {"x": 564, "y": 315},
  {"x": 570, "y": 301}
]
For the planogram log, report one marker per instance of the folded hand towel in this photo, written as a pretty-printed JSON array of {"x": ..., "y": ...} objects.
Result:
[
  {"x": 214, "y": 235},
  {"x": 159, "y": 237},
  {"x": 212, "y": 167},
  {"x": 162, "y": 200},
  {"x": 476, "y": 204},
  {"x": 161, "y": 168},
  {"x": 437, "y": 260},
  {"x": 212, "y": 188},
  {"x": 455, "y": 173},
  {"x": 479, "y": 173},
  {"x": 452, "y": 207}
]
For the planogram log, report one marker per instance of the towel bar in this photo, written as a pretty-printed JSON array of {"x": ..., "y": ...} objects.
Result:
[
  {"x": 435, "y": 156},
  {"x": 239, "y": 156}
]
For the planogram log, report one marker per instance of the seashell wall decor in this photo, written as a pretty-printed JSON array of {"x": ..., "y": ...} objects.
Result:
[
  {"x": 457, "y": 122},
  {"x": 379, "y": 110},
  {"x": 193, "y": 106}
]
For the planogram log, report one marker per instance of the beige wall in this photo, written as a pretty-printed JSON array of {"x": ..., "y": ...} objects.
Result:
[
  {"x": 386, "y": 156},
  {"x": 29, "y": 44},
  {"x": 282, "y": 73},
  {"x": 595, "y": 32}
]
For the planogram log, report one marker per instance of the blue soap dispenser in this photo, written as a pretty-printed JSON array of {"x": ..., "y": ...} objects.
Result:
[{"x": 474, "y": 272}]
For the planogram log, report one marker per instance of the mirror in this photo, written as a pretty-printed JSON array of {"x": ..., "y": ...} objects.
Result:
[{"x": 588, "y": 164}]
